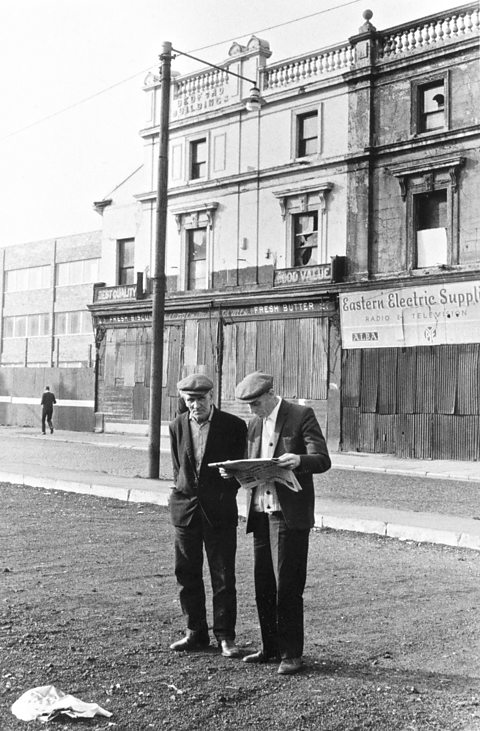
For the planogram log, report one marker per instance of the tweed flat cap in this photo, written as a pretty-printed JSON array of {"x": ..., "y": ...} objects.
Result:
[
  {"x": 253, "y": 386},
  {"x": 195, "y": 384}
]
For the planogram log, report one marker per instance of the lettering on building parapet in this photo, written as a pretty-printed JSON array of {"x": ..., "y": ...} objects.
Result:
[
  {"x": 303, "y": 275},
  {"x": 122, "y": 292},
  {"x": 202, "y": 101}
]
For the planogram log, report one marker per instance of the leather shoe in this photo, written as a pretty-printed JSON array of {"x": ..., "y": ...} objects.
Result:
[
  {"x": 191, "y": 641},
  {"x": 290, "y": 665},
  {"x": 258, "y": 657},
  {"x": 229, "y": 648}
]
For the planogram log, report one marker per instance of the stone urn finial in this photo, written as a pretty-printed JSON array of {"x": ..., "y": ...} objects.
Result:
[{"x": 367, "y": 26}]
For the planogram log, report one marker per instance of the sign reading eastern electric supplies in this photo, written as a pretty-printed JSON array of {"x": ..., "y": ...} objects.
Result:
[{"x": 429, "y": 315}]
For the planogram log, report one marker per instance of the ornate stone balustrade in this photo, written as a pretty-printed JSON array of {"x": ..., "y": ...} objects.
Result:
[
  {"x": 212, "y": 88},
  {"x": 203, "y": 83},
  {"x": 308, "y": 68},
  {"x": 437, "y": 30}
]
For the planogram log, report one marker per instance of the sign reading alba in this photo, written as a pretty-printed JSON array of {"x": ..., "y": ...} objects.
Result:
[{"x": 429, "y": 315}]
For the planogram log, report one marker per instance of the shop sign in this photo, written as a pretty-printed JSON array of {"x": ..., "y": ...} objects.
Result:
[
  {"x": 270, "y": 310},
  {"x": 262, "y": 311},
  {"x": 429, "y": 315},
  {"x": 122, "y": 292},
  {"x": 303, "y": 275},
  {"x": 131, "y": 319}
]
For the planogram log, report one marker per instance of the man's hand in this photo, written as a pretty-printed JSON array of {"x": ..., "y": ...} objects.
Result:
[
  {"x": 289, "y": 461},
  {"x": 226, "y": 474}
]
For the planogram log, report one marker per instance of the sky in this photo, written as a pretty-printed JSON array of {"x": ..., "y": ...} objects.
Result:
[{"x": 71, "y": 77}]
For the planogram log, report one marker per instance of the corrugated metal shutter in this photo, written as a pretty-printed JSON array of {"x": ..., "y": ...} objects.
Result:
[
  {"x": 206, "y": 347},
  {"x": 190, "y": 346},
  {"x": 366, "y": 432},
  {"x": 425, "y": 381},
  {"x": 385, "y": 428},
  {"x": 290, "y": 377},
  {"x": 442, "y": 436},
  {"x": 369, "y": 381},
  {"x": 446, "y": 374},
  {"x": 174, "y": 349},
  {"x": 229, "y": 372},
  {"x": 277, "y": 340},
  {"x": 319, "y": 366},
  {"x": 308, "y": 366},
  {"x": 468, "y": 384},
  {"x": 465, "y": 438},
  {"x": 264, "y": 346},
  {"x": 405, "y": 435},
  {"x": 238, "y": 355},
  {"x": 422, "y": 436},
  {"x": 387, "y": 382},
  {"x": 406, "y": 380},
  {"x": 351, "y": 374},
  {"x": 350, "y": 419},
  {"x": 250, "y": 359},
  {"x": 143, "y": 337}
]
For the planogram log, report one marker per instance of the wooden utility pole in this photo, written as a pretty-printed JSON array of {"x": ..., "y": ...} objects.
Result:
[{"x": 159, "y": 281}]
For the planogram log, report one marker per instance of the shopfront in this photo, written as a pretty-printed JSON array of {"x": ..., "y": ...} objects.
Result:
[
  {"x": 411, "y": 371},
  {"x": 295, "y": 339}
]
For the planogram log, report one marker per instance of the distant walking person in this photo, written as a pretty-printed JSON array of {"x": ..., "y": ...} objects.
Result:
[{"x": 48, "y": 399}]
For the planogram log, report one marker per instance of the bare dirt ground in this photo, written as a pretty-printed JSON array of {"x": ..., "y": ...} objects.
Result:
[{"x": 89, "y": 604}]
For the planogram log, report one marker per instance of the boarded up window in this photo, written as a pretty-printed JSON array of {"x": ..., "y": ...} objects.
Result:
[{"x": 294, "y": 351}]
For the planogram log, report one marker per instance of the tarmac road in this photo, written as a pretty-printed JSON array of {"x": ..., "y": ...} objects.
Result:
[
  {"x": 436, "y": 502},
  {"x": 108, "y": 456}
]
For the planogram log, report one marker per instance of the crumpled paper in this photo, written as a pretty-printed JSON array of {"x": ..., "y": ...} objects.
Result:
[{"x": 47, "y": 702}]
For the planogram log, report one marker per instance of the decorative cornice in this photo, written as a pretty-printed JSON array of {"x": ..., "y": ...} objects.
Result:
[
  {"x": 303, "y": 190},
  {"x": 100, "y": 206},
  {"x": 403, "y": 171},
  {"x": 195, "y": 209}
]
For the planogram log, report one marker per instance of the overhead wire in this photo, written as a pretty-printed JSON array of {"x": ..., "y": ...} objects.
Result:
[{"x": 96, "y": 94}]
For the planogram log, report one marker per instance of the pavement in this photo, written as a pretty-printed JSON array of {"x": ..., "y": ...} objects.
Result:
[{"x": 26, "y": 459}]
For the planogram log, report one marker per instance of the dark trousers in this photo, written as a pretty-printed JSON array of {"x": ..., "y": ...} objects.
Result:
[
  {"x": 220, "y": 544},
  {"x": 47, "y": 414},
  {"x": 280, "y": 556}
]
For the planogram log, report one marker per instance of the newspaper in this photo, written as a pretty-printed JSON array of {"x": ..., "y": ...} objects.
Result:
[
  {"x": 252, "y": 473},
  {"x": 47, "y": 703}
]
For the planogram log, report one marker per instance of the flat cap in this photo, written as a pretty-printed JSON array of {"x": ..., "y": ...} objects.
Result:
[
  {"x": 195, "y": 383},
  {"x": 253, "y": 386}
]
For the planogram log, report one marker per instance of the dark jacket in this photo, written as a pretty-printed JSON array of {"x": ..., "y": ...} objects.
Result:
[
  {"x": 48, "y": 399},
  {"x": 297, "y": 431},
  {"x": 215, "y": 496}
]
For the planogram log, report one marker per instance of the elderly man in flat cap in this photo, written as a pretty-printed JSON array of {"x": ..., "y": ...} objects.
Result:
[
  {"x": 280, "y": 518},
  {"x": 203, "y": 509}
]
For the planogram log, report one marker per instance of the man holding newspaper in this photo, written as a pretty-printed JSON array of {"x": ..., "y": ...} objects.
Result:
[{"x": 280, "y": 512}]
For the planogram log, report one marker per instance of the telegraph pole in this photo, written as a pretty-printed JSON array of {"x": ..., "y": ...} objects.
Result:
[{"x": 159, "y": 280}]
